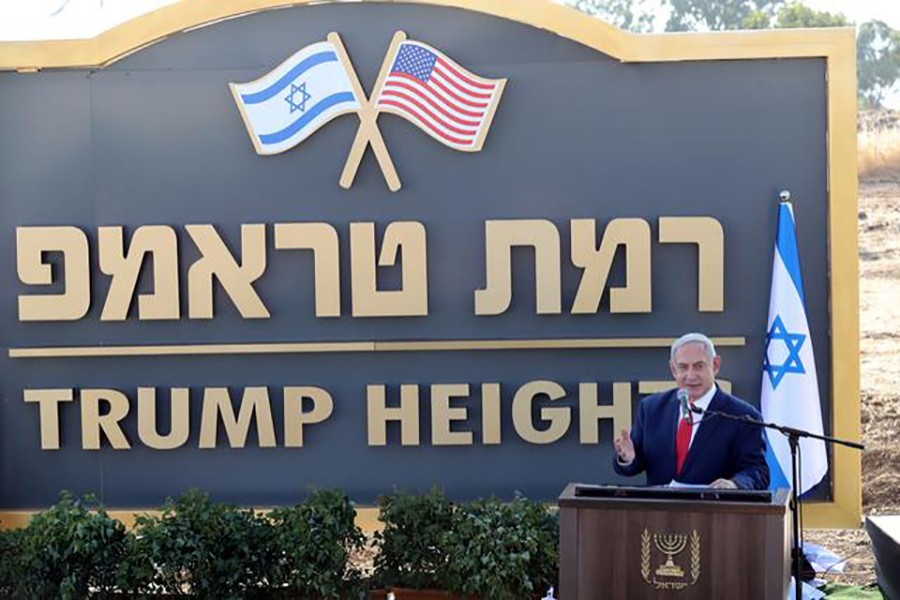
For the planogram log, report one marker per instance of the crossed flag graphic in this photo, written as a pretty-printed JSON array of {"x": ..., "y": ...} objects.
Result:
[{"x": 417, "y": 82}]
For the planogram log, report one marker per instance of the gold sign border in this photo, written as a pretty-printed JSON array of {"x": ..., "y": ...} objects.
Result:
[
  {"x": 358, "y": 346},
  {"x": 836, "y": 46}
]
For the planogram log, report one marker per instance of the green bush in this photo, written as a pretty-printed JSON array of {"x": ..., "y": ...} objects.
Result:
[
  {"x": 199, "y": 547},
  {"x": 502, "y": 551},
  {"x": 410, "y": 549},
  {"x": 311, "y": 545},
  {"x": 8, "y": 544},
  {"x": 136, "y": 570},
  {"x": 64, "y": 552}
]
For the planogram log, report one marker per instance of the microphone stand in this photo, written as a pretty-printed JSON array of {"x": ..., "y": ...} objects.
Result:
[{"x": 793, "y": 436}]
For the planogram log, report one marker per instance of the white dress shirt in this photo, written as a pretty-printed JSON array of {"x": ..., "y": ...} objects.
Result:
[{"x": 702, "y": 403}]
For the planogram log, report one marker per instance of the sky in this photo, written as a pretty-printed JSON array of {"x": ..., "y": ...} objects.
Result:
[
  {"x": 65, "y": 19},
  {"x": 860, "y": 11},
  {"x": 60, "y": 19}
]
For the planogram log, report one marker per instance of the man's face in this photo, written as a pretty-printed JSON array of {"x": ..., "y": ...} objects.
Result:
[{"x": 693, "y": 370}]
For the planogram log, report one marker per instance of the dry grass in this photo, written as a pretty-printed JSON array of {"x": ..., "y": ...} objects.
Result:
[
  {"x": 879, "y": 313},
  {"x": 879, "y": 154}
]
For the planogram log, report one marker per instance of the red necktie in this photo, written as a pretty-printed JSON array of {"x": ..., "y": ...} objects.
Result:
[{"x": 682, "y": 442}]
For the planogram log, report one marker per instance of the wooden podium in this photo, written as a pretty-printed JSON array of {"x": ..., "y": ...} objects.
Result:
[{"x": 631, "y": 542}]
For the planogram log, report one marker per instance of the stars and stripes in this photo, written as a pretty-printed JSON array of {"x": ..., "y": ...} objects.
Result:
[
  {"x": 446, "y": 101},
  {"x": 318, "y": 83}
]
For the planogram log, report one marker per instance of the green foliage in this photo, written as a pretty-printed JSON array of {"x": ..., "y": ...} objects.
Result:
[
  {"x": 411, "y": 553},
  {"x": 65, "y": 551},
  {"x": 197, "y": 546},
  {"x": 216, "y": 550},
  {"x": 486, "y": 548},
  {"x": 877, "y": 45},
  {"x": 756, "y": 19},
  {"x": 502, "y": 551},
  {"x": 209, "y": 550},
  {"x": 136, "y": 570},
  {"x": 878, "y": 61},
  {"x": 9, "y": 541},
  {"x": 795, "y": 14},
  {"x": 845, "y": 591},
  {"x": 311, "y": 545},
  {"x": 718, "y": 15}
]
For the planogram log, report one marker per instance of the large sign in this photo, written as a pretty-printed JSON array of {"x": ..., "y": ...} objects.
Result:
[{"x": 381, "y": 246}]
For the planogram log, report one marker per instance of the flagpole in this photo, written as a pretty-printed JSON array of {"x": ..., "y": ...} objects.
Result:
[
  {"x": 790, "y": 393},
  {"x": 784, "y": 197}
]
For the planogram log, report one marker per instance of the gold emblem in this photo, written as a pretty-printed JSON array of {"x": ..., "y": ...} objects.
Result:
[{"x": 668, "y": 573}]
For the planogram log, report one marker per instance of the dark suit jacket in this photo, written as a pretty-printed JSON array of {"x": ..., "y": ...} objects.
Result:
[{"x": 721, "y": 448}]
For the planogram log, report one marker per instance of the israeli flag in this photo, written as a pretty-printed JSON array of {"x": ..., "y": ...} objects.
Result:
[
  {"x": 287, "y": 105},
  {"x": 790, "y": 390}
]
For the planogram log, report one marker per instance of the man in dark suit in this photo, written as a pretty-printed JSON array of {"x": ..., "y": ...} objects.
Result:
[{"x": 698, "y": 449}]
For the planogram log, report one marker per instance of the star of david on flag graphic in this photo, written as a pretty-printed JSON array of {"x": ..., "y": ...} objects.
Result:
[
  {"x": 299, "y": 104},
  {"x": 790, "y": 388},
  {"x": 288, "y": 104},
  {"x": 318, "y": 83},
  {"x": 782, "y": 352}
]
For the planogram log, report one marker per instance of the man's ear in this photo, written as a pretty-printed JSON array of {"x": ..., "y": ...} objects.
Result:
[
  {"x": 716, "y": 364},
  {"x": 672, "y": 369}
]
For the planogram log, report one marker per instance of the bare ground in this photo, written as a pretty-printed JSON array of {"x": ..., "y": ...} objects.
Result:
[{"x": 879, "y": 296}]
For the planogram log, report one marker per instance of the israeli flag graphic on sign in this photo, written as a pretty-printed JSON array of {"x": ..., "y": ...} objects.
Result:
[
  {"x": 287, "y": 105},
  {"x": 790, "y": 389}
]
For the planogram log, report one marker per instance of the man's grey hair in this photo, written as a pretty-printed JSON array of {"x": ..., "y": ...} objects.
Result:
[{"x": 694, "y": 338}]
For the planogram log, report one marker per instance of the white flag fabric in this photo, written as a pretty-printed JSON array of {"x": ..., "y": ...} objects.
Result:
[
  {"x": 288, "y": 104},
  {"x": 790, "y": 390}
]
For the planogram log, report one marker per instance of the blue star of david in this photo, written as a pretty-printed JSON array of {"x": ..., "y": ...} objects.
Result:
[
  {"x": 304, "y": 96},
  {"x": 793, "y": 342}
]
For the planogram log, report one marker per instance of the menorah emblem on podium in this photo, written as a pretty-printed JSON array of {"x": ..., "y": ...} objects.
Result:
[
  {"x": 670, "y": 545},
  {"x": 672, "y": 576}
]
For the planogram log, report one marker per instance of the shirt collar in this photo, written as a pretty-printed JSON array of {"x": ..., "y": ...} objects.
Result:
[{"x": 704, "y": 400}]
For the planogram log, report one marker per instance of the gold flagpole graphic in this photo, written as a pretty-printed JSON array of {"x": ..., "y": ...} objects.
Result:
[{"x": 368, "y": 128}]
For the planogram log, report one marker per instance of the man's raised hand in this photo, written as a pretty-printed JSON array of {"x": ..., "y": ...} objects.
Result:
[{"x": 624, "y": 447}]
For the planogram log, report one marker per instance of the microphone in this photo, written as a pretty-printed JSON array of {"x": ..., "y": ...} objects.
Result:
[{"x": 684, "y": 401}]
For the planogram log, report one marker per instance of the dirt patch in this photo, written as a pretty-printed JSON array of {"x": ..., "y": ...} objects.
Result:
[{"x": 879, "y": 295}]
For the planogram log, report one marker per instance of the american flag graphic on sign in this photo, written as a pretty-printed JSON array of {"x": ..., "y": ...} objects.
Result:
[{"x": 449, "y": 103}]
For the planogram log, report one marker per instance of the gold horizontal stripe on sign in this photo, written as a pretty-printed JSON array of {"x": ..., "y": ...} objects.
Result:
[{"x": 325, "y": 347}]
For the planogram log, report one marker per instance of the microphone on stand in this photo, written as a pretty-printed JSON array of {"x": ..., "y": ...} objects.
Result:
[
  {"x": 686, "y": 408},
  {"x": 793, "y": 436}
]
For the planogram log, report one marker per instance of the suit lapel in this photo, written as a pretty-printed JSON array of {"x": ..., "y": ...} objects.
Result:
[{"x": 704, "y": 432}]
